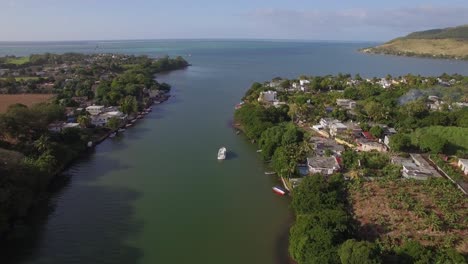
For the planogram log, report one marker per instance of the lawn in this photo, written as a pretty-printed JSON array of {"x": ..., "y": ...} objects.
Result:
[
  {"x": 27, "y": 99},
  {"x": 18, "y": 60}
]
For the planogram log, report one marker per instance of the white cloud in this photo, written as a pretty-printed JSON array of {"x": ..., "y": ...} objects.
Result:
[{"x": 341, "y": 24}]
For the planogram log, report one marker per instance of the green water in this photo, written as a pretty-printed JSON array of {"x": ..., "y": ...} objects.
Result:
[{"x": 157, "y": 194}]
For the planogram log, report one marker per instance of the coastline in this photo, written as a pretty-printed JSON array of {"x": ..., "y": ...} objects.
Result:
[{"x": 58, "y": 173}]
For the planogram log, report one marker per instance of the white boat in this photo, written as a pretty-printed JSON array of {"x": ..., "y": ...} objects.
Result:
[
  {"x": 112, "y": 135},
  {"x": 222, "y": 153},
  {"x": 121, "y": 130}
]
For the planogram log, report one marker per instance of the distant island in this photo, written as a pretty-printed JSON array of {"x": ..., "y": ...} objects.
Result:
[{"x": 447, "y": 43}]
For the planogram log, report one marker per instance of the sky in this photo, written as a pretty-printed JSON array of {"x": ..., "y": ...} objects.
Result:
[{"x": 346, "y": 20}]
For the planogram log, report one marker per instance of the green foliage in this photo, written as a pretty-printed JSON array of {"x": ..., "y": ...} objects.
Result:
[
  {"x": 113, "y": 123},
  {"x": 255, "y": 118},
  {"x": 400, "y": 142},
  {"x": 439, "y": 139},
  {"x": 376, "y": 131},
  {"x": 322, "y": 223},
  {"x": 129, "y": 105},
  {"x": 358, "y": 252}
]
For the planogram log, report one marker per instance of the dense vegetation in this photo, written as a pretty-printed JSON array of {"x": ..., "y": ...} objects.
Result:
[
  {"x": 326, "y": 229},
  {"x": 30, "y": 154},
  {"x": 460, "y": 32}
]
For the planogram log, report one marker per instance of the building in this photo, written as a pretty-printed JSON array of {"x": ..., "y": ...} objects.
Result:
[
  {"x": 321, "y": 145},
  {"x": 346, "y": 103},
  {"x": 337, "y": 128},
  {"x": 95, "y": 109},
  {"x": 60, "y": 126},
  {"x": 463, "y": 164},
  {"x": 323, "y": 165},
  {"x": 102, "y": 119},
  {"x": 366, "y": 145},
  {"x": 416, "y": 167},
  {"x": 267, "y": 97}
]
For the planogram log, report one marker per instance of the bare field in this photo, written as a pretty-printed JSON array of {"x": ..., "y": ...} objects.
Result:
[
  {"x": 27, "y": 99},
  {"x": 433, "y": 214}
]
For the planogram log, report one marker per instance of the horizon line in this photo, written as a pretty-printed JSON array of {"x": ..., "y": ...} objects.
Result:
[{"x": 191, "y": 39}]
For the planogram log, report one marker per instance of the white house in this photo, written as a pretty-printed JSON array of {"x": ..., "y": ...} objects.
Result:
[
  {"x": 268, "y": 96},
  {"x": 463, "y": 164},
  {"x": 94, "y": 109},
  {"x": 102, "y": 119},
  {"x": 337, "y": 128},
  {"x": 346, "y": 103}
]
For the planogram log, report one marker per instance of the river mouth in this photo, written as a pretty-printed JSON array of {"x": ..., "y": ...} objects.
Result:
[{"x": 157, "y": 194}]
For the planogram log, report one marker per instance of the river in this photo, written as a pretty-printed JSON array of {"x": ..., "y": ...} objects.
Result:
[{"x": 157, "y": 194}]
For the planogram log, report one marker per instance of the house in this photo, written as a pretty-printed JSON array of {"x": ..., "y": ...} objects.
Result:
[
  {"x": 303, "y": 84},
  {"x": 463, "y": 164},
  {"x": 321, "y": 145},
  {"x": 267, "y": 97},
  {"x": 4, "y": 71},
  {"x": 366, "y": 145},
  {"x": 102, "y": 119},
  {"x": 60, "y": 126},
  {"x": 95, "y": 109},
  {"x": 384, "y": 83},
  {"x": 323, "y": 165},
  {"x": 346, "y": 103},
  {"x": 416, "y": 167},
  {"x": 337, "y": 128}
]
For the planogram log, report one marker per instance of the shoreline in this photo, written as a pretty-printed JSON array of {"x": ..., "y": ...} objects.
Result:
[{"x": 58, "y": 174}]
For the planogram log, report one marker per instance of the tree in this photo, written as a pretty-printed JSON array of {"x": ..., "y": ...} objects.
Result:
[
  {"x": 84, "y": 121},
  {"x": 358, "y": 252},
  {"x": 42, "y": 144},
  {"x": 432, "y": 143},
  {"x": 113, "y": 123},
  {"x": 413, "y": 252},
  {"x": 270, "y": 140},
  {"x": 400, "y": 142},
  {"x": 283, "y": 161},
  {"x": 129, "y": 105},
  {"x": 376, "y": 131}
]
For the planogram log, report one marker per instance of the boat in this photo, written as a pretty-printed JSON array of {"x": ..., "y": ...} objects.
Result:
[
  {"x": 237, "y": 132},
  {"x": 128, "y": 125},
  {"x": 222, "y": 153},
  {"x": 269, "y": 172},
  {"x": 112, "y": 135},
  {"x": 279, "y": 190},
  {"x": 259, "y": 150},
  {"x": 121, "y": 130}
]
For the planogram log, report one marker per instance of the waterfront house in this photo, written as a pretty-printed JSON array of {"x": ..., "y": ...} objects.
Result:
[
  {"x": 101, "y": 120},
  {"x": 323, "y": 165},
  {"x": 95, "y": 109},
  {"x": 267, "y": 97},
  {"x": 463, "y": 164}
]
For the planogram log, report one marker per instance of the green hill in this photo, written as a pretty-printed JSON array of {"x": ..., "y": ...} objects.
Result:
[{"x": 451, "y": 43}]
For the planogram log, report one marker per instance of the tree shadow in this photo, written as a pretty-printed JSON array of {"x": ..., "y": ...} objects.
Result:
[{"x": 77, "y": 223}]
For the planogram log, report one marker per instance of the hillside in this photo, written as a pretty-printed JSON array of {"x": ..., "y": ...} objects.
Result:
[{"x": 449, "y": 43}]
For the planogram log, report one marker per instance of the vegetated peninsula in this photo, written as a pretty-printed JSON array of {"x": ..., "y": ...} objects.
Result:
[
  {"x": 377, "y": 168},
  {"x": 449, "y": 43},
  {"x": 54, "y": 107}
]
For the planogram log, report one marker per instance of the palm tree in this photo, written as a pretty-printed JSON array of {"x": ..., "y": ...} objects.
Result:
[
  {"x": 42, "y": 144},
  {"x": 84, "y": 121}
]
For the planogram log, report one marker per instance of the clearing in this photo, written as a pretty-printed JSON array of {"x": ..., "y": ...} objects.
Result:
[
  {"x": 27, "y": 99},
  {"x": 432, "y": 212}
]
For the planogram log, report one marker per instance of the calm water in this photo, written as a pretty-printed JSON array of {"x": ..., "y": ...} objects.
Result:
[{"x": 158, "y": 194}]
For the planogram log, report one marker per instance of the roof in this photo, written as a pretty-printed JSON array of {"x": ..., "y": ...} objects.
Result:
[
  {"x": 323, "y": 162},
  {"x": 367, "y": 135},
  {"x": 464, "y": 162}
]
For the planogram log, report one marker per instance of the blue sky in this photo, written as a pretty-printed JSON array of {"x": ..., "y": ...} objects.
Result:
[{"x": 32, "y": 20}]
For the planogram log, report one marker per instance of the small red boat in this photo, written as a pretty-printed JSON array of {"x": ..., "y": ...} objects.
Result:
[{"x": 279, "y": 190}]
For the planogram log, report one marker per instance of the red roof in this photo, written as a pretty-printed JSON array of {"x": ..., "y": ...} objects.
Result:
[{"x": 368, "y": 135}]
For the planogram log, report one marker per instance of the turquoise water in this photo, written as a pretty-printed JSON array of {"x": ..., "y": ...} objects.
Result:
[{"x": 157, "y": 194}]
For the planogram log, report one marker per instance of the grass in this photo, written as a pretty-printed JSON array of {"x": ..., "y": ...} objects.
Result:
[
  {"x": 425, "y": 211},
  {"x": 17, "y": 60},
  {"x": 449, "y": 48},
  {"x": 27, "y": 99}
]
